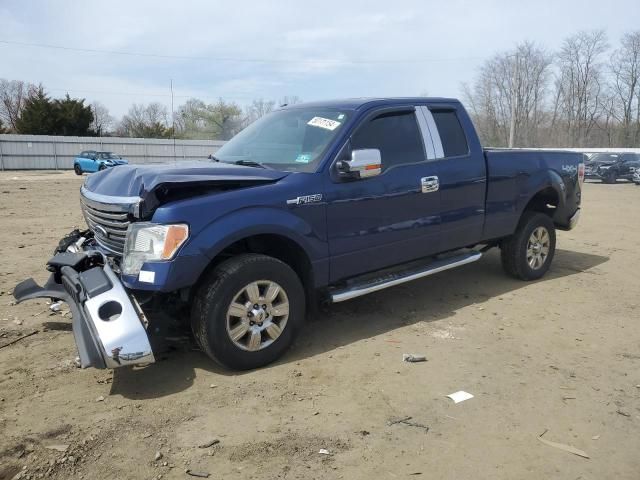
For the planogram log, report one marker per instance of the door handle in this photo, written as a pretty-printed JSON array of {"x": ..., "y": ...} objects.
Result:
[{"x": 429, "y": 184}]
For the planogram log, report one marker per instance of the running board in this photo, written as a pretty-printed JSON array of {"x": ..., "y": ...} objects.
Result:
[{"x": 397, "y": 278}]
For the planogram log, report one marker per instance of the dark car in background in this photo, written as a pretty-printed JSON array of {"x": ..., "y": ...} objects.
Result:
[
  {"x": 609, "y": 167},
  {"x": 91, "y": 161}
]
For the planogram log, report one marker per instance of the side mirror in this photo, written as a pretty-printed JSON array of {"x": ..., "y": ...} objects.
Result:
[{"x": 364, "y": 163}]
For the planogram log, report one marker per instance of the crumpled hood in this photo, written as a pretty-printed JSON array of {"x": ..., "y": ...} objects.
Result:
[{"x": 161, "y": 183}]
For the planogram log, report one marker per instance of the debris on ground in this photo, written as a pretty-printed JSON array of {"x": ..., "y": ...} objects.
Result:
[
  {"x": 407, "y": 421},
  {"x": 22, "y": 337},
  {"x": 562, "y": 446},
  {"x": 412, "y": 358},
  {"x": 595, "y": 437},
  {"x": 197, "y": 474},
  {"x": 58, "y": 447},
  {"x": 460, "y": 396},
  {"x": 210, "y": 443},
  {"x": 55, "y": 307},
  {"x": 100, "y": 399},
  {"x": 324, "y": 451},
  {"x": 623, "y": 413}
]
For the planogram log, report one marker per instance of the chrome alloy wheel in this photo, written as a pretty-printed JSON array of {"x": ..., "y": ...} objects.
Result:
[
  {"x": 257, "y": 315},
  {"x": 538, "y": 247}
]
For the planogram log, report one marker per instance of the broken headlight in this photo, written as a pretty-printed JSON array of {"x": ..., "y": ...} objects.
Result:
[{"x": 150, "y": 242}]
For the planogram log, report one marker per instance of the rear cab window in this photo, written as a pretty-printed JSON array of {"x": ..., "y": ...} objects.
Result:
[{"x": 452, "y": 136}]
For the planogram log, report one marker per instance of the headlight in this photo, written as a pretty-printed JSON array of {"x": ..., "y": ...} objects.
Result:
[
  {"x": 604, "y": 167},
  {"x": 150, "y": 242}
]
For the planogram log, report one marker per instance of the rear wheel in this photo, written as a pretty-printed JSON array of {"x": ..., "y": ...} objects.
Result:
[
  {"x": 248, "y": 311},
  {"x": 528, "y": 253},
  {"x": 77, "y": 169}
]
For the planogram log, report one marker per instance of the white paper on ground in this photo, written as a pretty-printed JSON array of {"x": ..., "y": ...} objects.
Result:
[{"x": 460, "y": 396}]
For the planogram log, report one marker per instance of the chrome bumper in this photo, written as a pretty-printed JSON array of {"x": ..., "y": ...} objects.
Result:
[{"x": 108, "y": 324}]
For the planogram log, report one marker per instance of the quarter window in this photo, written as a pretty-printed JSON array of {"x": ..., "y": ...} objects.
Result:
[
  {"x": 454, "y": 141},
  {"x": 397, "y": 137}
]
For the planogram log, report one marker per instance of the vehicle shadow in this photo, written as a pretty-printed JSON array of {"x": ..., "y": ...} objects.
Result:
[{"x": 427, "y": 300}]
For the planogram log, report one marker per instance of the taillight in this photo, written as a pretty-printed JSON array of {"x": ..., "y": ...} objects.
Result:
[{"x": 581, "y": 173}]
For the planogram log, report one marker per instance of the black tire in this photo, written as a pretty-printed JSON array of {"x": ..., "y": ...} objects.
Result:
[
  {"x": 77, "y": 169},
  {"x": 102, "y": 167},
  {"x": 610, "y": 178},
  {"x": 215, "y": 295},
  {"x": 514, "y": 249}
]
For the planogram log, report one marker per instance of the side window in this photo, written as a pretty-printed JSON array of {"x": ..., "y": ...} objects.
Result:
[
  {"x": 454, "y": 141},
  {"x": 396, "y": 135},
  {"x": 83, "y": 154}
]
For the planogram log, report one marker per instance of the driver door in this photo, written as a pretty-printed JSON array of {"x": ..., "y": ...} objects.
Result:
[{"x": 387, "y": 219}]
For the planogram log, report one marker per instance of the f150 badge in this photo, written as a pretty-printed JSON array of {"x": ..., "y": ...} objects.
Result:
[
  {"x": 303, "y": 200},
  {"x": 569, "y": 168}
]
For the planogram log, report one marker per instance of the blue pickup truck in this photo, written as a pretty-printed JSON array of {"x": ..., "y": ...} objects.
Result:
[{"x": 314, "y": 202}]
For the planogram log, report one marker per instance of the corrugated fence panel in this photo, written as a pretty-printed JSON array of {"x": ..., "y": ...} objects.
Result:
[{"x": 44, "y": 152}]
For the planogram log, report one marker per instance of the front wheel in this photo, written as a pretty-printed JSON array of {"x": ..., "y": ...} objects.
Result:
[
  {"x": 247, "y": 311},
  {"x": 610, "y": 177},
  {"x": 528, "y": 253},
  {"x": 77, "y": 169},
  {"x": 102, "y": 167}
]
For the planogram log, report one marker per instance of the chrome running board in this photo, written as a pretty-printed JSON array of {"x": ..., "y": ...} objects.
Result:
[{"x": 396, "y": 278}]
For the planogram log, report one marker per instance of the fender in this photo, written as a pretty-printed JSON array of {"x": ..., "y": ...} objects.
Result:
[
  {"x": 538, "y": 182},
  {"x": 247, "y": 222}
]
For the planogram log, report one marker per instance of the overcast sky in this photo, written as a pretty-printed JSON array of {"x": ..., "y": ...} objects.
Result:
[{"x": 241, "y": 50}]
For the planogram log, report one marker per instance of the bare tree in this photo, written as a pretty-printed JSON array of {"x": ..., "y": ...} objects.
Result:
[
  {"x": 13, "y": 95},
  {"x": 258, "y": 109},
  {"x": 625, "y": 66},
  {"x": 147, "y": 121},
  {"x": 579, "y": 84},
  {"x": 103, "y": 122},
  {"x": 511, "y": 89}
]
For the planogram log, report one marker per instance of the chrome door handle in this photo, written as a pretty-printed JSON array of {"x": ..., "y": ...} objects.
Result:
[{"x": 429, "y": 184}]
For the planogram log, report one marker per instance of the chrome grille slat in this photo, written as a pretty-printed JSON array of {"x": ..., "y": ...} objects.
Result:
[{"x": 108, "y": 221}]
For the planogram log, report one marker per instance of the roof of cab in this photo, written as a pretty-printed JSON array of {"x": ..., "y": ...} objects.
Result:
[{"x": 358, "y": 103}]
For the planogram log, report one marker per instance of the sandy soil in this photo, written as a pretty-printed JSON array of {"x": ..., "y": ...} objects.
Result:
[{"x": 561, "y": 354}]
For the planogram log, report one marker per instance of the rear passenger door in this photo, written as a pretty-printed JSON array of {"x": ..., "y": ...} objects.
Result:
[{"x": 462, "y": 175}]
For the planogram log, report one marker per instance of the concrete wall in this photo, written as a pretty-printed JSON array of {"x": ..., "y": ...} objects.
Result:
[{"x": 43, "y": 152}]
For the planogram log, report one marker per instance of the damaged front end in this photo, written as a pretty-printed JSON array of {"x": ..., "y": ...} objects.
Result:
[{"x": 108, "y": 325}]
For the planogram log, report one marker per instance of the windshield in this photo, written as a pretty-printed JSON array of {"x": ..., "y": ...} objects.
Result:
[
  {"x": 290, "y": 139},
  {"x": 605, "y": 157},
  {"x": 108, "y": 155}
]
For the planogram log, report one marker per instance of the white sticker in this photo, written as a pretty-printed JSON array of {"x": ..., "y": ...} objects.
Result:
[
  {"x": 323, "y": 123},
  {"x": 147, "y": 277}
]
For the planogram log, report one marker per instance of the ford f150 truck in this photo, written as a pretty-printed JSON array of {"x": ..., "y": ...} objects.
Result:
[{"x": 329, "y": 200}]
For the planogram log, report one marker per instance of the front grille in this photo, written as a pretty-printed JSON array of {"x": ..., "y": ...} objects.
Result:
[{"x": 108, "y": 221}]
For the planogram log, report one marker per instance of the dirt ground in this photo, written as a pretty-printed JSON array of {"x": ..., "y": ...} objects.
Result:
[{"x": 561, "y": 354}]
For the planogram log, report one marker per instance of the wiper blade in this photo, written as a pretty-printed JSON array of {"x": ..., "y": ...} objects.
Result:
[{"x": 249, "y": 163}]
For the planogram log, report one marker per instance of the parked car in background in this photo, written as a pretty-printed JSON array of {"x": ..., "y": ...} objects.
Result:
[
  {"x": 609, "y": 167},
  {"x": 92, "y": 161}
]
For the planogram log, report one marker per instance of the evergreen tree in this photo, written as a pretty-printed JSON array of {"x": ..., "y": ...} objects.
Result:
[{"x": 37, "y": 116}]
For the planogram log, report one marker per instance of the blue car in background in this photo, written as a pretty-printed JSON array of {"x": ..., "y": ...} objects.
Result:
[{"x": 91, "y": 161}]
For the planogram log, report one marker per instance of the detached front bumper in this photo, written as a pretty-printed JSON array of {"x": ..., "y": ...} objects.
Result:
[{"x": 108, "y": 325}]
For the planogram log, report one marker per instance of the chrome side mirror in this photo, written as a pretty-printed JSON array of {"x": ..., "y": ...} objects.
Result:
[{"x": 364, "y": 163}]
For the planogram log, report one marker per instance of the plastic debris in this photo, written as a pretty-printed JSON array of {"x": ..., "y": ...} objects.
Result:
[
  {"x": 55, "y": 307},
  {"x": 412, "y": 358},
  {"x": 460, "y": 396},
  {"x": 197, "y": 474},
  {"x": 324, "y": 451},
  {"x": 562, "y": 446},
  {"x": 210, "y": 443}
]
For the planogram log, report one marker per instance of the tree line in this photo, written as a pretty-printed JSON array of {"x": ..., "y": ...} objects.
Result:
[
  {"x": 586, "y": 94},
  {"x": 28, "y": 109}
]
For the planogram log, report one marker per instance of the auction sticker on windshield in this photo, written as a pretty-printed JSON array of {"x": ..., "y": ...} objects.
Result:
[{"x": 323, "y": 123}]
